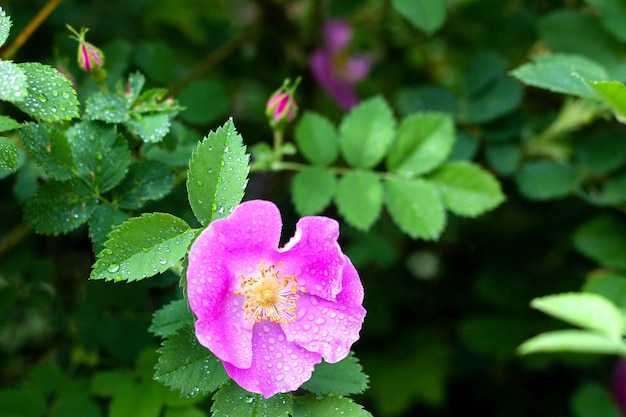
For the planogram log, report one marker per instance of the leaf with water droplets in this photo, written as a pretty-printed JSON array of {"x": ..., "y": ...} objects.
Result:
[
  {"x": 110, "y": 108},
  {"x": 8, "y": 153},
  {"x": 170, "y": 318},
  {"x": 150, "y": 128},
  {"x": 416, "y": 207},
  {"x": 146, "y": 181},
  {"x": 187, "y": 366},
  {"x": 135, "y": 249},
  {"x": 342, "y": 378},
  {"x": 51, "y": 97},
  {"x": 103, "y": 220},
  {"x": 327, "y": 406},
  {"x": 13, "y": 82},
  {"x": 49, "y": 147},
  {"x": 232, "y": 400},
  {"x": 5, "y": 26},
  {"x": 59, "y": 207},
  {"x": 218, "y": 174},
  {"x": 359, "y": 198},
  {"x": 6, "y": 124}
]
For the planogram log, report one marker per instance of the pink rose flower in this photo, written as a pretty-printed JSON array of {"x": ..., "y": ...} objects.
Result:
[{"x": 270, "y": 314}]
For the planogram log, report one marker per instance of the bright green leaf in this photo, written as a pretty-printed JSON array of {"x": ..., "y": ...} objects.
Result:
[
  {"x": 562, "y": 73},
  {"x": 466, "y": 189},
  {"x": 142, "y": 247},
  {"x": 51, "y": 97},
  {"x": 8, "y": 153},
  {"x": 313, "y": 189},
  {"x": 107, "y": 107},
  {"x": 50, "y": 148},
  {"x": 187, "y": 366},
  {"x": 327, "y": 406},
  {"x": 151, "y": 127},
  {"x": 423, "y": 142},
  {"x": 614, "y": 93},
  {"x": 59, "y": 207},
  {"x": 232, "y": 400},
  {"x": 146, "y": 181},
  {"x": 603, "y": 239},
  {"x": 317, "y": 138},
  {"x": 586, "y": 310},
  {"x": 427, "y": 15},
  {"x": 359, "y": 198},
  {"x": 342, "y": 378},
  {"x": 5, "y": 26},
  {"x": 184, "y": 412},
  {"x": 14, "y": 82},
  {"x": 135, "y": 84},
  {"x": 578, "y": 341},
  {"x": 137, "y": 400},
  {"x": 170, "y": 318},
  {"x": 545, "y": 180},
  {"x": 366, "y": 133},
  {"x": 218, "y": 174},
  {"x": 6, "y": 124},
  {"x": 416, "y": 207}
]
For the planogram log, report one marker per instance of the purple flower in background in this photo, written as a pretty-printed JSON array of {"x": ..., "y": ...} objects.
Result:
[
  {"x": 333, "y": 69},
  {"x": 618, "y": 386},
  {"x": 270, "y": 314}
]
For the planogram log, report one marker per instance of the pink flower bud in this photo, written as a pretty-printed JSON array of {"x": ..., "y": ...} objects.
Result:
[
  {"x": 90, "y": 58},
  {"x": 281, "y": 107}
]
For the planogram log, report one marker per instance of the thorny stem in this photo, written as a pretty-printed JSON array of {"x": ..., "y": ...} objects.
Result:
[{"x": 30, "y": 28}]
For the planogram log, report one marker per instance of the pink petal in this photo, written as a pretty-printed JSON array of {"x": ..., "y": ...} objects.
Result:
[
  {"x": 342, "y": 92},
  {"x": 326, "y": 327},
  {"x": 314, "y": 256},
  {"x": 277, "y": 365},
  {"x": 357, "y": 67},
  {"x": 337, "y": 35}
]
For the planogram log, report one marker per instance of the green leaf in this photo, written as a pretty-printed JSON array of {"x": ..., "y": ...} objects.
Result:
[
  {"x": 614, "y": 93},
  {"x": 6, "y": 124},
  {"x": 137, "y": 400},
  {"x": 327, "y": 406},
  {"x": 603, "y": 239},
  {"x": 206, "y": 101},
  {"x": 610, "y": 285},
  {"x": 359, "y": 198},
  {"x": 317, "y": 139},
  {"x": 562, "y": 73},
  {"x": 110, "y": 108},
  {"x": 22, "y": 403},
  {"x": 218, "y": 174},
  {"x": 592, "y": 399},
  {"x": 425, "y": 98},
  {"x": 135, "y": 84},
  {"x": 578, "y": 341},
  {"x": 427, "y": 15},
  {"x": 342, "y": 378},
  {"x": 495, "y": 336},
  {"x": 612, "y": 16},
  {"x": 50, "y": 148},
  {"x": 184, "y": 412},
  {"x": 423, "y": 142},
  {"x": 151, "y": 127},
  {"x": 601, "y": 152},
  {"x": 232, "y": 400},
  {"x": 59, "y": 207},
  {"x": 416, "y": 207},
  {"x": 103, "y": 155},
  {"x": 366, "y": 133},
  {"x": 185, "y": 365},
  {"x": 74, "y": 404},
  {"x": 486, "y": 68},
  {"x": 14, "y": 82},
  {"x": 8, "y": 153},
  {"x": 170, "y": 318},
  {"x": 586, "y": 310},
  {"x": 504, "y": 158},
  {"x": 466, "y": 189},
  {"x": 545, "y": 180},
  {"x": 102, "y": 221},
  {"x": 313, "y": 189},
  {"x": 51, "y": 97},
  {"x": 501, "y": 98},
  {"x": 142, "y": 247},
  {"x": 5, "y": 26},
  {"x": 108, "y": 383},
  {"x": 146, "y": 181}
]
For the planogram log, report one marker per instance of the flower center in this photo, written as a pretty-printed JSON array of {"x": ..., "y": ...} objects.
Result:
[{"x": 270, "y": 295}]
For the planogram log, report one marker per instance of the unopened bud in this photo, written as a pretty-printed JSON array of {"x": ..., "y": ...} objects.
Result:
[
  {"x": 90, "y": 58},
  {"x": 281, "y": 107}
]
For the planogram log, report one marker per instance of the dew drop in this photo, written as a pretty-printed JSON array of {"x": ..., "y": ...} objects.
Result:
[{"x": 113, "y": 268}]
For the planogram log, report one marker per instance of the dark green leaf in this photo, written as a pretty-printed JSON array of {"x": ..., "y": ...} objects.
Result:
[
  {"x": 8, "y": 153},
  {"x": 416, "y": 207},
  {"x": 187, "y": 366},
  {"x": 6, "y": 124},
  {"x": 327, "y": 406},
  {"x": 218, "y": 174},
  {"x": 59, "y": 207},
  {"x": 145, "y": 181},
  {"x": 545, "y": 180},
  {"x": 603, "y": 239},
  {"x": 206, "y": 101},
  {"x": 427, "y": 15},
  {"x": 500, "y": 98},
  {"x": 51, "y": 97},
  {"x": 108, "y": 383},
  {"x": 142, "y": 247},
  {"x": 503, "y": 158},
  {"x": 466, "y": 189},
  {"x": 424, "y": 141},
  {"x": 359, "y": 198},
  {"x": 313, "y": 189},
  {"x": 137, "y": 400},
  {"x": 484, "y": 71},
  {"x": 426, "y": 99},
  {"x": 21, "y": 403},
  {"x": 602, "y": 153},
  {"x": 170, "y": 318},
  {"x": 102, "y": 221},
  {"x": 496, "y": 336},
  {"x": 101, "y": 154},
  {"x": 592, "y": 399},
  {"x": 366, "y": 133},
  {"x": 75, "y": 404},
  {"x": 232, "y": 400},
  {"x": 14, "y": 85},
  {"x": 610, "y": 285},
  {"x": 107, "y": 107},
  {"x": 317, "y": 139},
  {"x": 342, "y": 378},
  {"x": 50, "y": 148},
  {"x": 612, "y": 16}
]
